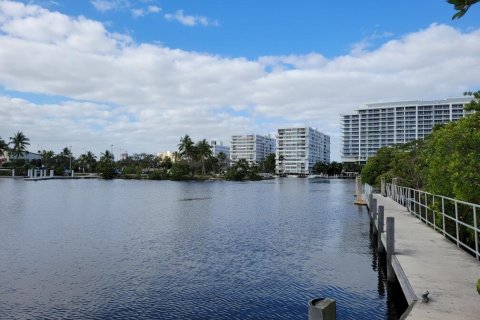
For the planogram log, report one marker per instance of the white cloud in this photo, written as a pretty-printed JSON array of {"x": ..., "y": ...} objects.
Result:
[
  {"x": 189, "y": 20},
  {"x": 140, "y": 12},
  {"x": 143, "y": 97},
  {"x": 108, "y": 5}
]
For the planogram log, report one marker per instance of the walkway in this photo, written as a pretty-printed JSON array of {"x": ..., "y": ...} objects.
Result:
[{"x": 431, "y": 262}]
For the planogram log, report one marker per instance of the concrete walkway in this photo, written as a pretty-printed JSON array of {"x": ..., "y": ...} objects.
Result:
[{"x": 425, "y": 260}]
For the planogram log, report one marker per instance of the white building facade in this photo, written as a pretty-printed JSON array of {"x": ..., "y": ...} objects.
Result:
[
  {"x": 299, "y": 148},
  {"x": 386, "y": 124},
  {"x": 217, "y": 147},
  {"x": 253, "y": 148}
]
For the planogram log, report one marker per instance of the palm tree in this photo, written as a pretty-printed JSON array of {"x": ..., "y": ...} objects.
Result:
[
  {"x": 204, "y": 151},
  {"x": 186, "y": 148},
  {"x": 19, "y": 142},
  {"x": 88, "y": 160},
  {"x": 106, "y": 156},
  {"x": 3, "y": 147}
]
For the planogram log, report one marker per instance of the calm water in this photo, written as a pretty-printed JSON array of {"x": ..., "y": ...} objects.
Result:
[{"x": 93, "y": 249}]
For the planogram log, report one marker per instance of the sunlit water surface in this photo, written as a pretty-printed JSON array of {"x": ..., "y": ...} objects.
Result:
[{"x": 93, "y": 249}]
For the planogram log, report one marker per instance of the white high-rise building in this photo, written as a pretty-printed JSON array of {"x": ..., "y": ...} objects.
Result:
[
  {"x": 385, "y": 124},
  {"x": 299, "y": 148},
  {"x": 253, "y": 148}
]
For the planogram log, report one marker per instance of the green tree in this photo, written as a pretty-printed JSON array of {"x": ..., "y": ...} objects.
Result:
[
  {"x": 106, "y": 165},
  {"x": 320, "y": 168},
  {"x": 186, "y": 148},
  {"x": 3, "y": 147},
  {"x": 47, "y": 157},
  {"x": 268, "y": 164},
  {"x": 378, "y": 165},
  {"x": 451, "y": 157},
  {"x": 461, "y": 6},
  {"x": 240, "y": 171},
  {"x": 19, "y": 144},
  {"x": 204, "y": 151},
  {"x": 88, "y": 160}
]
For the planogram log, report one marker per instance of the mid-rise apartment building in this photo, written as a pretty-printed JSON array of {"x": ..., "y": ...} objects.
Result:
[
  {"x": 253, "y": 148},
  {"x": 385, "y": 124},
  {"x": 298, "y": 149}
]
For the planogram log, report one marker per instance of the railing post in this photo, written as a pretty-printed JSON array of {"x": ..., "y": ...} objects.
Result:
[
  {"x": 394, "y": 189},
  {"x": 443, "y": 215},
  {"x": 390, "y": 247},
  {"x": 475, "y": 228},
  {"x": 456, "y": 224},
  {"x": 370, "y": 203},
  {"x": 380, "y": 222},
  {"x": 382, "y": 186}
]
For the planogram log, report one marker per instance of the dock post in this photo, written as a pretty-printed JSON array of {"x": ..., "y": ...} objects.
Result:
[
  {"x": 390, "y": 247},
  {"x": 380, "y": 222},
  {"x": 382, "y": 186},
  {"x": 72, "y": 173},
  {"x": 51, "y": 173},
  {"x": 322, "y": 309},
  {"x": 13, "y": 172},
  {"x": 374, "y": 212}
]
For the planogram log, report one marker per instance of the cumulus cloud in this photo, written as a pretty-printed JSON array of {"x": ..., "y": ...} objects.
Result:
[
  {"x": 190, "y": 20},
  {"x": 143, "y": 97}
]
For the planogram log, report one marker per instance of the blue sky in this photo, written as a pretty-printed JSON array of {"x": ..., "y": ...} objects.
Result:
[
  {"x": 251, "y": 29},
  {"x": 139, "y": 74}
]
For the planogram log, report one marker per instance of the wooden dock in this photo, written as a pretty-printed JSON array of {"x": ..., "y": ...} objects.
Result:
[{"x": 424, "y": 260}]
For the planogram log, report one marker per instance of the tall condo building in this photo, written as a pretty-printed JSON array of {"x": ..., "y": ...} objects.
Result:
[
  {"x": 253, "y": 148},
  {"x": 298, "y": 149},
  {"x": 385, "y": 124}
]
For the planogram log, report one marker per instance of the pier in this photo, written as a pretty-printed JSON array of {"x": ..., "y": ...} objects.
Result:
[{"x": 437, "y": 276}]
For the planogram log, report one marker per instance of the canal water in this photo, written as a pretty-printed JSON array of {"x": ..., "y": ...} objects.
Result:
[{"x": 122, "y": 249}]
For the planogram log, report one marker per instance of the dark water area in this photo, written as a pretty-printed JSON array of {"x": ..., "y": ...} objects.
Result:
[{"x": 93, "y": 249}]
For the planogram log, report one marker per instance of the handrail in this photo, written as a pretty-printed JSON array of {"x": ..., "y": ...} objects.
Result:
[{"x": 456, "y": 219}]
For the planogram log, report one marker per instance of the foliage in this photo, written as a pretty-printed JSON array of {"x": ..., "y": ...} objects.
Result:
[
  {"x": 407, "y": 164},
  {"x": 461, "y": 6},
  {"x": 19, "y": 144},
  {"x": 180, "y": 171},
  {"x": 186, "y": 148},
  {"x": 378, "y": 165},
  {"x": 203, "y": 151},
  {"x": 3, "y": 147},
  {"x": 158, "y": 174},
  {"x": 268, "y": 164},
  {"x": 241, "y": 170},
  {"x": 106, "y": 165},
  {"x": 451, "y": 156}
]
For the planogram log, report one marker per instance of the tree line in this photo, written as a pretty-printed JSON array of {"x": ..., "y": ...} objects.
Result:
[{"x": 192, "y": 160}]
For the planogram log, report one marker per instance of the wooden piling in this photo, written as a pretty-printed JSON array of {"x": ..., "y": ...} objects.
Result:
[
  {"x": 390, "y": 248},
  {"x": 380, "y": 217}
]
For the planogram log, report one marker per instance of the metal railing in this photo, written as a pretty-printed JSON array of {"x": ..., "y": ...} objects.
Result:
[{"x": 457, "y": 220}]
